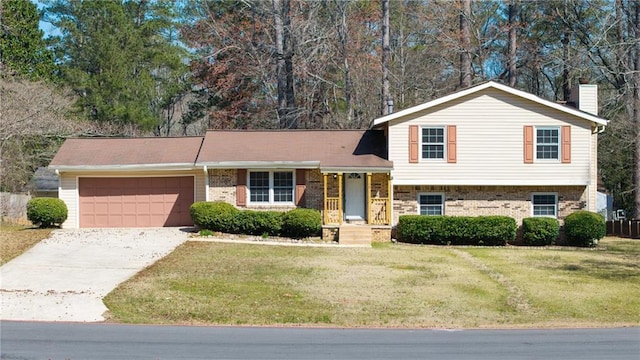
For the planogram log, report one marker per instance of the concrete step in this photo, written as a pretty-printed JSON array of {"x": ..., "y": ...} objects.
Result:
[{"x": 354, "y": 235}]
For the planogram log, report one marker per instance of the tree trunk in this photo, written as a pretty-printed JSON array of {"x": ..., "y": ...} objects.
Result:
[
  {"x": 386, "y": 96},
  {"x": 343, "y": 37},
  {"x": 284, "y": 64},
  {"x": 465, "y": 44},
  {"x": 513, "y": 11},
  {"x": 566, "y": 81},
  {"x": 635, "y": 113}
]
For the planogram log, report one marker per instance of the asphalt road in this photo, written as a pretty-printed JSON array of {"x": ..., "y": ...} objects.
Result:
[{"x": 74, "y": 341}]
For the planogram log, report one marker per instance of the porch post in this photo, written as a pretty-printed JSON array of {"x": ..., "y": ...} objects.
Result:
[
  {"x": 340, "y": 197},
  {"x": 389, "y": 199},
  {"x": 324, "y": 200},
  {"x": 369, "y": 215}
]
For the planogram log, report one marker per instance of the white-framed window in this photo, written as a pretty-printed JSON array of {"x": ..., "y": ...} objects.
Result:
[
  {"x": 547, "y": 143},
  {"x": 271, "y": 187},
  {"x": 431, "y": 204},
  {"x": 433, "y": 142},
  {"x": 544, "y": 204}
]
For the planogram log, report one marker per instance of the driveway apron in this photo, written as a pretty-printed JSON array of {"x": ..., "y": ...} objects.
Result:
[{"x": 65, "y": 277}]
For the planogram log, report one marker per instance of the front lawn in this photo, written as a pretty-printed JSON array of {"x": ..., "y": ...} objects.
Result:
[
  {"x": 16, "y": 239},
  {"x": 387, "y": 285}
]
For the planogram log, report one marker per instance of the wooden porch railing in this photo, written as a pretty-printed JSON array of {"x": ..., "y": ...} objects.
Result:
[
  {"x": 379, "y": 213},
  {"x": 332, "y": 211}
]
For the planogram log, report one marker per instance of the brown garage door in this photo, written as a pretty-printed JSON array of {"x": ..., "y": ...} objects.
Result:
[{"x": 135, "y": 202}]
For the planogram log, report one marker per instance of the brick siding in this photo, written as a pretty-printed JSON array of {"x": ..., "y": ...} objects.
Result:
[{"x": 489, "y": 200}]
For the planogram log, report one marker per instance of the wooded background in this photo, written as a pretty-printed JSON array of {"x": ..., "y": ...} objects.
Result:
[{"x": 173, "y": 68}]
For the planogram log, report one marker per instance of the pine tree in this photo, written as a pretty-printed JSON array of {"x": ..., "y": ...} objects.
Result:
[{"x": 22, "y": 47}]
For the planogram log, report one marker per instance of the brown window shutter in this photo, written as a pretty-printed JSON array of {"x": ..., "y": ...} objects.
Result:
[
  {"x": 413, "y": 144},
  {"x": 241, "y": 188},
  {"x": 301, "y": 186},
  {"x": 528, "y": 144},
  {"x": 451, "y": 144},
  {"x": 566, "y": 144}
]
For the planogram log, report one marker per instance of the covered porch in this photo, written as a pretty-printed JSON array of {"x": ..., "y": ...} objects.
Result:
[{"x": 357, "y": 206}]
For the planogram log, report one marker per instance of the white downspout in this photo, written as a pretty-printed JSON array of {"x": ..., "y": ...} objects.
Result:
[{"x": 206, "y": 183}]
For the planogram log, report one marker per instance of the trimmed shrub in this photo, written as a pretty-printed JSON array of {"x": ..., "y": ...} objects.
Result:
[
  {"x": 301, "y": 223},
  {"x": 494, "y": 230},
  {"x": 584, "y": 228},
  {"x": 215, "y": 216},
  {"x": 419, "y": 229},
  {"x": 540, "y": 231},
  {"x": 258, "y": 222},
  {"x": 46, "y": 212},
  {"x": 456, "y": 230}
]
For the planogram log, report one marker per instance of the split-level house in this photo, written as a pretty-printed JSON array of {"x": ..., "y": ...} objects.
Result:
[
  {"x": 486, "y": 150},
  {"x": 495, "y": 150}
]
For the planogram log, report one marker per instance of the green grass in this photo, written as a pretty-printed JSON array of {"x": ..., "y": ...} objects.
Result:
[
  {"x": 16, "y": 239},
  {"x": 386, "y": 285}
]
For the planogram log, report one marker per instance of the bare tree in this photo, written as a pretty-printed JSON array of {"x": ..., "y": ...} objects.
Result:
[
  {"x": 284, "y": 64},
  {"x": 343, "y": 39},
  {"x": 386, "y": 96},
  {"x": 512, "y": 65},
  {"x": 35, "y": 118},
  {"x": 465, "y": 44}
]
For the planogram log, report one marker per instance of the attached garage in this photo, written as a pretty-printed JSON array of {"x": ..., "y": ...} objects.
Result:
[
  {"x": 135, "y": 201},
  {"x": 129, "y": 182}
]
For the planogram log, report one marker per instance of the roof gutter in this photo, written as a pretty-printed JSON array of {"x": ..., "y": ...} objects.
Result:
[
  {"x": 134, "y": 167},
  {"x": 352, "y": 169},
  {"x": 261, "y": 164}
]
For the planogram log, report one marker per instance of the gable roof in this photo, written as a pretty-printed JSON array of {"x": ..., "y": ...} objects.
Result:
[
  {"x": 127, "y": 153},
  {"x": 327, "y": 149},
  {"x": 493, "y": 85}
]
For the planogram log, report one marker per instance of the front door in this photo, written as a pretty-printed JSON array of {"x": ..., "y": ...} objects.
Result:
[{"x": 354, "y": 207}]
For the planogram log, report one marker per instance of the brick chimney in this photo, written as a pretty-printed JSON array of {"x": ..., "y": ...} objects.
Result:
[{"x": 584, "y": 96}]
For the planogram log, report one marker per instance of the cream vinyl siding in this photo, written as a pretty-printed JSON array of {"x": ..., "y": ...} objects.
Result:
[
  {"x": 68, "y": 191},
  {"x": 490, "y": 144}
]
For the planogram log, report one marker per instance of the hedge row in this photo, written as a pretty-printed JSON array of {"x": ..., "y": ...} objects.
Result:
[
  {"x": 224, "y": 217},
  {"x": 456, "y": 230},
  {"x": 581, "y": 228}
]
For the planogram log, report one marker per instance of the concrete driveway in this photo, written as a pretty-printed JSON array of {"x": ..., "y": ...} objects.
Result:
[{"x": 65, "y": 277}]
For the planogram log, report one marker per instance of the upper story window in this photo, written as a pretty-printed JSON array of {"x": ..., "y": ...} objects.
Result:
[
  {"x": 431, "y": 204},
  {"x": 433, "y": 142},
  {"x": 545, "y": 204},
  {"x": 548, "y": 143},
  {"x": 271, "y": 187}
]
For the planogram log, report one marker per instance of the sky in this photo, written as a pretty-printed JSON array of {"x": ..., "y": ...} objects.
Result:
[{"x": 49, "y": 30}]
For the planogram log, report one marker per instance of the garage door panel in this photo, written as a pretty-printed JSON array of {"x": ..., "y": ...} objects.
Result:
[{"x": 135, "y": 202}]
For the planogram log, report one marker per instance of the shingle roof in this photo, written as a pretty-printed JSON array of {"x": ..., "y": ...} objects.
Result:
[
  {"x": 105, "y": 152},
  {"x": 327, "y": 148}
]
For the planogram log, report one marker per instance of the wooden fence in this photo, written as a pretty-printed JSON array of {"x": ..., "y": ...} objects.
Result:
[
  {"x": 624, "y": 228},
  {"x": 13, "y": 207}
]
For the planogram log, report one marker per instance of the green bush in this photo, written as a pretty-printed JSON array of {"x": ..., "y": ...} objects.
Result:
[
  {"x": 540, "y": 231},
  {"x": 258, "y": 222},
  {"x": 205, "y": 232},
  {"x": 494, "y": 230},
  {"x": 584, "y": 228},
  {"x": 215, "y": 216},
  {"x": 301, "y": 223},
  {"x": 46, "y": 212},
  {"x": 456, "y": 230},
  {"x": 419, "y": 229}
]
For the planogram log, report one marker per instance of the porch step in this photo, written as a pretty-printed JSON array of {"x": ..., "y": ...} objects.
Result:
[{"x": 354, "y": 235}]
